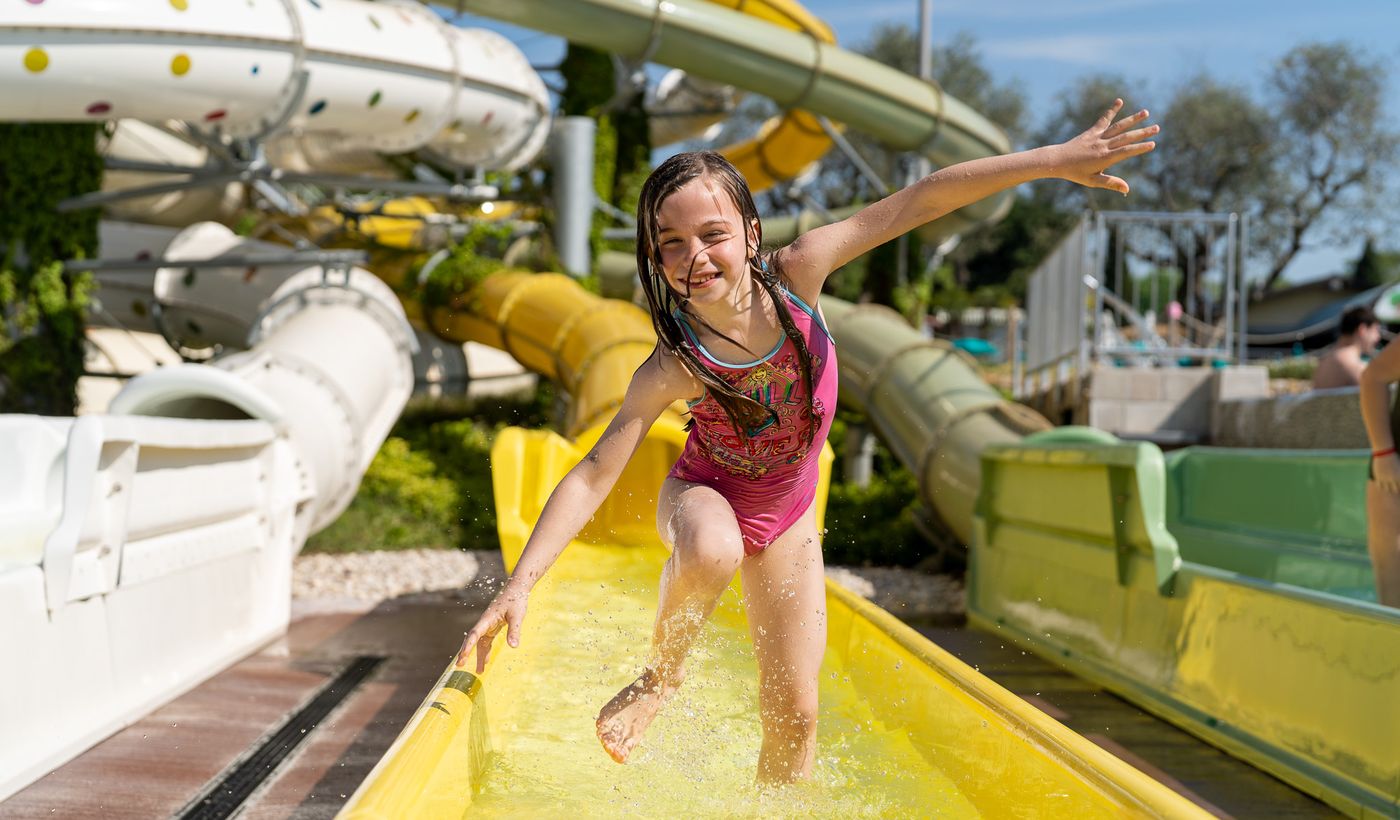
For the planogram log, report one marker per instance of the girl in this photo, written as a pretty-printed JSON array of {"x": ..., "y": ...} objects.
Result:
[{"x": 741, "y": 339}]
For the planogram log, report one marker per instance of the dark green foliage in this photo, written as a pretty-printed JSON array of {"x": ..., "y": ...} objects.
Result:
[
  {"x": 41, "y": 339},
  {"x": 475, "y": 257},
  {"x": 589, "y": 84},
  {"x": 42, "y": 308},
  {"x": 429, "y": 487},
  {"x": 1374, "y": 267},
  {"x": 403, "y": 503},
  {"x": 873, "y": 525}
]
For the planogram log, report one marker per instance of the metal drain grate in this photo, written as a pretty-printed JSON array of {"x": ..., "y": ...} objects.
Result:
[{"x": 228, "y": 795}]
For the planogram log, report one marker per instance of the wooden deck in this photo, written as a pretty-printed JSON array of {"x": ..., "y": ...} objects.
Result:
[
  {"x": 1215, "y": 781},
  {"x": 158, "y": 766}
]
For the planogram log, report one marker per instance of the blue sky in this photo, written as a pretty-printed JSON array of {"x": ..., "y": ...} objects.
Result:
[{"x": 1043, "y": 45}]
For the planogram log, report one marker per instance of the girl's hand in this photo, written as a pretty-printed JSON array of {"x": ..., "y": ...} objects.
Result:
[
  {"x": 1085, "y": 158},
  {"x": 1386, "y": 470},
  {"x": 508, "y": 610}
]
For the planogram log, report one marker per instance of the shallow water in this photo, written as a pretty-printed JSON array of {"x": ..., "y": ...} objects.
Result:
[{"x": 586, "y": 637}]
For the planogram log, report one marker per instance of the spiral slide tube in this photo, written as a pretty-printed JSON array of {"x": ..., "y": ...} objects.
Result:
[
  {"x": 794, "y": 69},
  {"x": 151, "y": 546},
  {"x": 144, "y": 549},
  {"x": 343, "y": 75},
  {"x": 323, "y": 84}
]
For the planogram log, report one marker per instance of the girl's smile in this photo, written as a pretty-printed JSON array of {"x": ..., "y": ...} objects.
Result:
[{"x": 703, "y": 251}]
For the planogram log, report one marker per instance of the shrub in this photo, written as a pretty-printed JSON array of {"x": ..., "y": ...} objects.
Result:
[
  {"x": 874, "y": 525},
  {"x": 402, "y": 504},
  {"x": 430, "y": 484}
]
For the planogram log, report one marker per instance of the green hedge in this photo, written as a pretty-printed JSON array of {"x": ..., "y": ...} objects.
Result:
[
  {"x": 874, "y": 525},
  {"x": 429, "y": 486},
  {"x": 42, "y": 309}
]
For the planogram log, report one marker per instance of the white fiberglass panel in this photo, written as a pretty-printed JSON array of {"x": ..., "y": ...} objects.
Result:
[
  {"x": 167, "y": 499},
  {"x": 84, "y": 76},
  {"x": 31, "y": 485},
  {"x": 395, "y": 33},
  {"x": 256, "y": 19},
  {"x": 391, "y": 108}
]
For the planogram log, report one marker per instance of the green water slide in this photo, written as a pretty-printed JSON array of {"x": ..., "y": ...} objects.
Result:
[
  {"x": 793, "y": 69},
  {"x": 1228, "y": 591}
]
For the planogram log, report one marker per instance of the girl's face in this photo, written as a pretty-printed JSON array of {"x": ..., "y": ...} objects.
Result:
[{"x": 705, "y": 248}]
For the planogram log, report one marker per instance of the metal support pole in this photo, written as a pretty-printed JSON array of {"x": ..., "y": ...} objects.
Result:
[
  {"x": 860, "y": 455},
  {"x": 1244, "y": 290},
  {"x": 572, "y": 155},
  {"x": 1231, "y": 271},
  {"x": 923, "y": 167}
]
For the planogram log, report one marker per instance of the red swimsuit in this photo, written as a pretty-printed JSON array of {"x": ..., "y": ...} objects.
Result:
[{"x": 769, "y": 477}]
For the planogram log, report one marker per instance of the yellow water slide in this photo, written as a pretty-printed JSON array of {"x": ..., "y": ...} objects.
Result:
[{"x": 906, "y": 729}]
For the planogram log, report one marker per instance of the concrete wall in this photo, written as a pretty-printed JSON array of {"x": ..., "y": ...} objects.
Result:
[
  {"x": 1169, "y": 405},
  {"x": 1319, "y": 420}
]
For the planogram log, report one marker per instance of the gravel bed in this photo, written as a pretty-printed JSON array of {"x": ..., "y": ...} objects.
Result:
[{"x": 358, "y": 581}]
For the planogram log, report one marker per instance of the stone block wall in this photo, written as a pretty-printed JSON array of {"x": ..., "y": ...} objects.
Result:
[
  {"x": 1318, "y": 420},
  {"x": 1173, "y": 405}
]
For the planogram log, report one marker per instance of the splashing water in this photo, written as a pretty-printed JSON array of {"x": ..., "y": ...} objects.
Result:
[{"x": 586, "y": 637}]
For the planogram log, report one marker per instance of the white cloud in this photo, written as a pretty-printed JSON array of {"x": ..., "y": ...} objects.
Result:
[{"x": 1085, "y": 49}]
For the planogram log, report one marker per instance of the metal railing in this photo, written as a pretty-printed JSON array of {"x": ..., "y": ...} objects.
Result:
[{"x": 1146, "y": 288}]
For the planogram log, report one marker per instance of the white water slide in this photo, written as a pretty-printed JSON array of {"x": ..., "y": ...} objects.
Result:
[{"x": 144, "y": 549}]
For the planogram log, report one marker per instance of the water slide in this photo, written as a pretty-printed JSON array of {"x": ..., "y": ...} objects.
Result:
[
  {"x": 147, "y": 547},
  {"x": 906, "y": 728},
  {"x": 1171, "y": 630},
  {"x": 113, "y": 555}
]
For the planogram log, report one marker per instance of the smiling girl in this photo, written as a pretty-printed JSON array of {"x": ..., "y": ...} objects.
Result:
[{"x": 741, "y": 339}]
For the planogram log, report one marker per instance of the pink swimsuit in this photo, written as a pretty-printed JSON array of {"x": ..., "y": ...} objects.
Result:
[{"x": 770, "y": 476}]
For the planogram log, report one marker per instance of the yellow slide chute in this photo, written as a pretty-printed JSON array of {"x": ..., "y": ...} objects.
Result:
[{"x": 906, "y": 728}]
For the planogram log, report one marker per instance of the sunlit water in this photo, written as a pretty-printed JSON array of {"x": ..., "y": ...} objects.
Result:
[{"x": 586, "y": 637}]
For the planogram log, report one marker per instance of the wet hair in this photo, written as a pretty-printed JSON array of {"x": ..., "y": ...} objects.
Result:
[
  {"x": 745, "y": 413},
  {"x": 1355, "y": 318}
]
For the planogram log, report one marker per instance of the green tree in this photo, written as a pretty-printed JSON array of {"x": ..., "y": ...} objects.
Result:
[
  {"x": 959, "y": 70},
  {"x": 1306, "y": 161},
  {"x": 1336, "y": 140},
  {"x": 42, "y": 307},
  {"x": 1374, "y": 267},
  {"x": 622, "y": 151}
]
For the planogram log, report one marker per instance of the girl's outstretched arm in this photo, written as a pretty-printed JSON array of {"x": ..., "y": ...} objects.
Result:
[
  {"x": 658, "y": 383},
  {"x": 1084, "y": 160}
]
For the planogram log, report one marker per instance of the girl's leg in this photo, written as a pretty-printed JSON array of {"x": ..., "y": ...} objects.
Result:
[
  {"x": 698, "y": 525},
  {"x": 1383, "y": 541},
  {"x": 785, "y": 594}
]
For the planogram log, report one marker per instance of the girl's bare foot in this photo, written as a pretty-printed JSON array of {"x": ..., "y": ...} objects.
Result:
[{"x": 626, "y": 717}]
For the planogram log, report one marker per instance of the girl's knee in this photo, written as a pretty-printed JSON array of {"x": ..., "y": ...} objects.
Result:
[{"x": 710, "y": 547}]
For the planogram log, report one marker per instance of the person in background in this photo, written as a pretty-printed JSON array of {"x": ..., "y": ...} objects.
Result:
[
  {"x": 1342, "y": 365},
  {"x": 1382, "y": 419}
]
